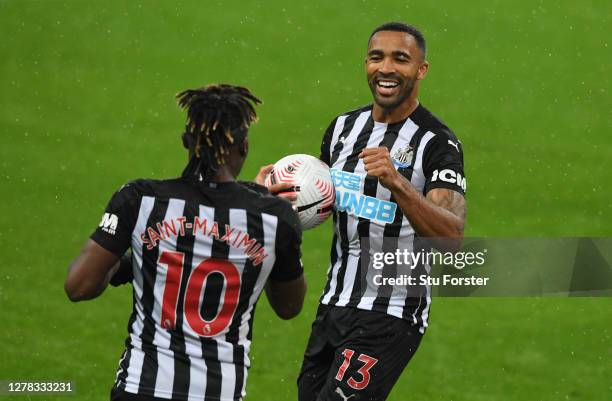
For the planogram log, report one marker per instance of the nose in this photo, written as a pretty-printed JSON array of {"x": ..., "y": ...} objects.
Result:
[{"x": 387, "y": 66}]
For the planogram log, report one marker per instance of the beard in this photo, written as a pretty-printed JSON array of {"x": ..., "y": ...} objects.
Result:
[{"x": 391, "y": 102}]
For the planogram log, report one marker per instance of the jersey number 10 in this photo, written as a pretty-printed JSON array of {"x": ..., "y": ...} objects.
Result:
[{"x": 193, "y": 293}]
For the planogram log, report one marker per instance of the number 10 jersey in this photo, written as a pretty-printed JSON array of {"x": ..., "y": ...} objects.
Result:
[{"x": 202, "y": 253}]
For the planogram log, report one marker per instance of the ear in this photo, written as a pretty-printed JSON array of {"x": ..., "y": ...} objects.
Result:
[
  {"x": 244, "y": 147},
  {"x": 422, "y": 72}
]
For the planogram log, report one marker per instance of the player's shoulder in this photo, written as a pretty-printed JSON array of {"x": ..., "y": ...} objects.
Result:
[
  {"x": 255, "y": 197},
  {"x": 134, "y": 188},
  {"x": 351, "y": 114},
  {"x": 147, "y": 186},
  {"x": 155, "y": 188},
  {"x": 430, "y": 122},
  {"x": 260, "y": 199}
]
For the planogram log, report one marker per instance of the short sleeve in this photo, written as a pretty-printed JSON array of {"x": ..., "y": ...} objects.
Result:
[
  {"x": 325, "y": 155},
  {"x": 114, "y": 232},
  {"x": 443, "y": 164},
  {"x": 288, "y": 264}
]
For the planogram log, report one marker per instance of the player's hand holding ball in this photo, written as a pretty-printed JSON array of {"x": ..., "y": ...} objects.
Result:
[
  {"x": 284, "y": 189},
  {"x": 307, "y": 182}
]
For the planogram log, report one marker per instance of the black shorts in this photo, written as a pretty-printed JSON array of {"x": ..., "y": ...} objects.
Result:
[
  {"x": 355, "y": 355},
  {"x": 120, "y": 395}
]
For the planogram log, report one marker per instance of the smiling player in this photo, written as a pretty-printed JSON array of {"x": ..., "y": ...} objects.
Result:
[{"x": 398, "y": 172}]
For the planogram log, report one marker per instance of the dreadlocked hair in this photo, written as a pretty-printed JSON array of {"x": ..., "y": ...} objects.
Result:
[{"x": 218, "y": 116}]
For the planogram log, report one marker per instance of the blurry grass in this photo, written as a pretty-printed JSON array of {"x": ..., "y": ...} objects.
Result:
[{"x": 87, "y": 104}]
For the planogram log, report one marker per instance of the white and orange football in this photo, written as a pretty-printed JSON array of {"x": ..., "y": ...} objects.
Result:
[{"x": 312, "y": 183}]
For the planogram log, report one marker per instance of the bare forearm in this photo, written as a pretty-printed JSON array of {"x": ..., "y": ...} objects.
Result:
[
  {"x": 89, "y": 287},
  {"x": 286, "y": 298},
  {"x": 427, "y": 218},
  {"x": 440, "y": 215},
  {"x": 90, "y": 273}
]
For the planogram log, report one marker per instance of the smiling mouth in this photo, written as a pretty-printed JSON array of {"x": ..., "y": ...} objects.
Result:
[
  {"x": 384, "y": 83},
  {"x": 387, "y": 87}
]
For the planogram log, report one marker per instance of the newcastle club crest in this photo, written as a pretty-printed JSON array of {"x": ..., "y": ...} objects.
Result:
[{"x": 402, "y": 158}]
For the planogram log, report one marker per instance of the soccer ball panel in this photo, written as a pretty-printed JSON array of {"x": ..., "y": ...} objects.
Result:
[{"x": 313, "y": 185}]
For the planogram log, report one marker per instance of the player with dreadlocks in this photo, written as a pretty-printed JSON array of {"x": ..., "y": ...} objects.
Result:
[
  {"x": 218, "y": 117},
  {"x": 203, "y": 248}
]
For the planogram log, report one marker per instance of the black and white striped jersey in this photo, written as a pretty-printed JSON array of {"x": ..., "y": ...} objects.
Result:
[
  {"x": 366, "y": 218},
  {"x": 202, "y": 253}
]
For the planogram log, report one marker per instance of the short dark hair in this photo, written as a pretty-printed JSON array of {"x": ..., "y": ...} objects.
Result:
[{"x": 403, "y": 27}]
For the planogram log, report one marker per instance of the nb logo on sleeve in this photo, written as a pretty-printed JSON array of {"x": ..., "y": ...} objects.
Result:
[
  {"x": 109, "y": 223},
  {"x": 350, "y": 199},
  {"x": 449, "y": 176}
]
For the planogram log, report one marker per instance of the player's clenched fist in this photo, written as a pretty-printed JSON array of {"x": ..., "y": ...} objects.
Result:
[{"x": 377, "y": 163}]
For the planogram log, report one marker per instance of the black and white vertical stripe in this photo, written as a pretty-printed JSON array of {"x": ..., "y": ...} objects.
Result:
[
  {"x": 179, "y": 364},
  {"x": 350, "y": 274}
]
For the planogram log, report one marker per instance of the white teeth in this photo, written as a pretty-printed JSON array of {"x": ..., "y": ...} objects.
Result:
[{"x": 387, "y": 84}]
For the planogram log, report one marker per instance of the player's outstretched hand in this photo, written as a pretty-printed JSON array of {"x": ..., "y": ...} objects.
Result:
[
  {"x": 284, "y": 189},
  {"x": 377, "y": 163}
]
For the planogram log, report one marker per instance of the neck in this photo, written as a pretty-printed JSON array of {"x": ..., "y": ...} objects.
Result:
[
  {"x": 399, "y": 113},
  {"x": 224, "y": 175}
]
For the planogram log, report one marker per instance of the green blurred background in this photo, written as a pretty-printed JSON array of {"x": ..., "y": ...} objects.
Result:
[{"x": 87, "y": 103}]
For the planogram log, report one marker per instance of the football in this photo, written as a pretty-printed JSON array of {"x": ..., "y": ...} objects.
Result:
[{"x": 312, "y": 183}]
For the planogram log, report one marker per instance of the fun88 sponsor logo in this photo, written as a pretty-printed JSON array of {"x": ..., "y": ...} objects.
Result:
[{"x": 350, "y": 199}]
